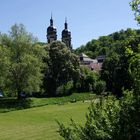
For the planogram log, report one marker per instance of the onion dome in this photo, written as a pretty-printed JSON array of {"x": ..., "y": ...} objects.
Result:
[
  {"x": 51, "y": 28},
  {"x": 66, "y": 32},
  {"x": 51, "y": 32}
]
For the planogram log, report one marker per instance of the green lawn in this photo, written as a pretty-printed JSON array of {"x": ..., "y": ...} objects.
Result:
[
  {"x": 10, "y": 104},
  {"x": 39, "y": 123}
]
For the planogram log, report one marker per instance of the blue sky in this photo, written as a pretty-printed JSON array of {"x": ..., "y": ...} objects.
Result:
[{"x": 87, "y": 19}]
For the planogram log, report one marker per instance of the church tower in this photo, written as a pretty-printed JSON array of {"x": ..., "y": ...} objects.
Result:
[
  {"x": 51, "y": 32},
  {"x": 66, "y": 35}
]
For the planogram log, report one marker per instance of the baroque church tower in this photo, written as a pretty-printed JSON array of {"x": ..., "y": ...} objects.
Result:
[
  {"x": 51, "y": 32},
  {"x": 66, "y": 35}
]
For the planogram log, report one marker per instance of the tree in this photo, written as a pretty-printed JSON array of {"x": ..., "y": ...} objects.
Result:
[
  {"x": 115, "y": 70},
  {"x": 135, "y": 4},
  {"x": 109, "y": 73},
  {"x": 87, "y": 80},
  {"x": 4, "y": 67},
  {"x": 129, "y": 122},
  {"x": 111, "y": 118},
  {"x": 63, "y": 66},
  {"x": 135, "y": 70},
  {"x": 24, "y": 73}
]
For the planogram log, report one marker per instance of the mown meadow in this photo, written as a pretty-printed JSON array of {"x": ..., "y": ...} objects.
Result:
[
  {"x": 39, "y": 120},
  {"x": 39, "y": 123}
]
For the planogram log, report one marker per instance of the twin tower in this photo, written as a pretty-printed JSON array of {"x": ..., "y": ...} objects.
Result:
[{"x": 52, "y": 34}]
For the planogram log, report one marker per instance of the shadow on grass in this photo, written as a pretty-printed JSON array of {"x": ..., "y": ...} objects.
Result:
[{"x": 9, "y": 104}]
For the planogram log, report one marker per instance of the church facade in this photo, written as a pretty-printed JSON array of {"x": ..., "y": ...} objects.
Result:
[{"x": 52, "y": 34}]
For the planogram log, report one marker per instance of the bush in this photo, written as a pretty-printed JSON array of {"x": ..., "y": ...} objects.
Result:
[
  {"x": 65, "y": 90},
  {"x": 129, "y": 121},
  {"x": 108, "y": 119},
  {"x": 101, "y": 122},
  {"x": 87, "y": 80},
  {"x": 99, "y": 87}
]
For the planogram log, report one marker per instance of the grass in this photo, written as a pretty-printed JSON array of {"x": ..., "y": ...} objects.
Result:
[
  {"x": 10, "y": 104},
  {"x": 39, "y": 123}
]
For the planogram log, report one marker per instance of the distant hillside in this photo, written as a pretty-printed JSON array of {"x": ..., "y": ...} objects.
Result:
[{"x": 105, "y": 44}]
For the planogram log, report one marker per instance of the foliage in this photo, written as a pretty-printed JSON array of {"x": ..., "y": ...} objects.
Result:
[
  {"x": 106, "y": 44},
  {"x": 108, "y": 118},
  {"x": 115, "y": 72},
  {"x": 65, "y": 89},
  {"x": 119, "y": 49},
  {"x": 99, "y": 87},
  {"x": 87, "y": 80},
  {"x": 134, "y": 70},
  {"x": 25, "y": 60},
  {"x": 100, "y": 123},
  {"x": 129, "y": 122},
  {"x": 63, "y": 66},
  {"x": 4, "y": 67},
  {"x": 135, "y": 4},
  {"x": 111, "y": 118}
]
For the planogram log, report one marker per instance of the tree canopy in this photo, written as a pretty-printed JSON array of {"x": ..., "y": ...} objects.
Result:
[
  {"x": 115, "y": 68},
  {"x": 22, "y": 61},
  {"x": 63, "y": 66},
  {"x": 110, "y": 118},
  {"x": 135, "y": 4}
]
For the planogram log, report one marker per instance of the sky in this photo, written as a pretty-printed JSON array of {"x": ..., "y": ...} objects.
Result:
[{"x": 87, "y": 19}]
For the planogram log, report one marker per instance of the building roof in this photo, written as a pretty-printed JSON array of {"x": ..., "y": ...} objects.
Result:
[
  {"x": 85, "y": 58},
  {"x": 83, "y": 55},
  {"x": 93, "y": 64}
]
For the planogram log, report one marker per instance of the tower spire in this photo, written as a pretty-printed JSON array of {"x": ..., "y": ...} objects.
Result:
[
  {"x": 51, "y": 15},
  {"x": 66, "y": 35},
  {"x": 51, "y": 31},
  {"x": 66, "y": 24},
  {"x": 51, "y": 20}
]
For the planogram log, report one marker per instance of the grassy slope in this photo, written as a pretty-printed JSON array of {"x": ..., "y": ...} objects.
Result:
[
  {"x": 9, "y": 104},
  {"x": 39, "y": 123}
]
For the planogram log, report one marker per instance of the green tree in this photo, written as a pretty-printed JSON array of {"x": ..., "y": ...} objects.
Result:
[
  {"x": 24, "y": 73},
  {"x": 63, "y": 66},
  {"x": 4, "y": 67},
  {"x": 99, "y": 87},
  {"x": 106, "y": 44},
  {"x": 110, "y": 118},
  {"x": 129, "y": 122},
  {"x": 87, "y": 80},
  {"x": 135, "y": 72},
  {"x": 135, "y": 4},
  {"x": 109, "y": 73},
  {"x": 115, "y": 71}
]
